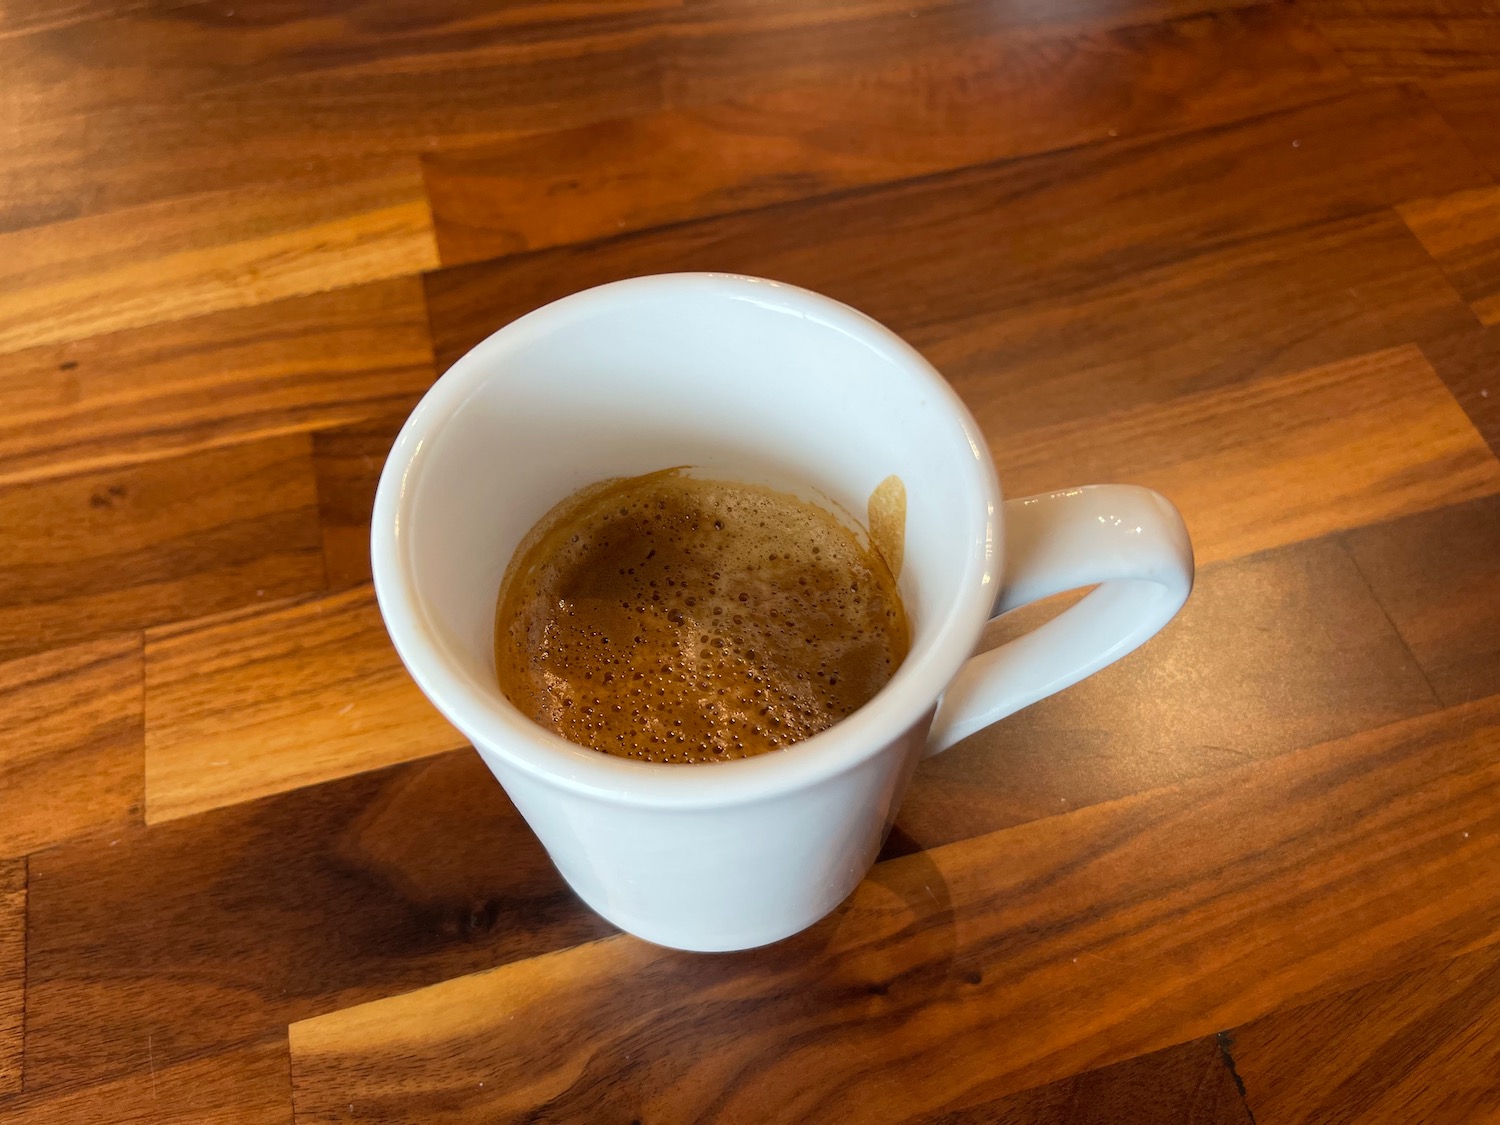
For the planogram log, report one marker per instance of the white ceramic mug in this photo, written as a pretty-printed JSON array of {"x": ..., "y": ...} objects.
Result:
[{"x": 733, "y": 372}]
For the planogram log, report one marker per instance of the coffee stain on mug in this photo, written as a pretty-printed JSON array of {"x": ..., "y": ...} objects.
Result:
[{"x": 885, "y": 516}]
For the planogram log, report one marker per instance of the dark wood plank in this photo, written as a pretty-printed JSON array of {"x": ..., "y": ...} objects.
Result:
[
  {"x": 348, "y": 461},
  {"x": 937, "y": 258},
  {"x": 104, "y": 552},
  {"x": 112, "y": 114},
  {"x": 930, "y": 112},
  {"x": 1467, "y": 101},
  {"x": 1462, "y": 231},
  {"x": 977, "y": 969},
  {"x": 1269, "y": 655},
  {"x": 248, "y": 1086},
  {"x": 267, "y": 699},
  {"x": 12, "y": 972},
  {"x": 71, "y": 762},
  {"x": 217, "y": 929},
  {"x": 1189, "y": 1084},
  {"x": 188, "y": 256},
  {"x": 1438, "y": 577},
  {"x": 117, "y": 113},
  {"x": 1468, "y": 357},
  {"x": 1275, "y": 460},
  {"x": 1402, "y": 40},
  {"x": 299, "y": 364},
  {"x": 1419, "y": 1047}
]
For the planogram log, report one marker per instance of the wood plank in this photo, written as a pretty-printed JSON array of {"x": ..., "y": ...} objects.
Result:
[
  {"x": 206, "y": 253},
  {"x": 249, "y": 1086},
  {"x": 931, "y": 257},
  {"x": 1403, "y": 40},
  {"x": 1189, "y": 1084},
  {"x": 1468, "y": 359},
  {"x": 1419, "y": 1047},
  {"x": 1462, "y": 231},
  {"x": 146, "y": 393},
  {"x": 1265, "y": 307},
  {"x": 933, "y": 111},
  {"x": 269, "y": 699},
  {"x": 111, "y": 551},
  {"x": 217, "y": 929},
  {"x": 19, "y": 17},
  {"x": 1276, "y": 460},
  {"x": 1467, "y": 101},
  {"x": 1436, "y": 576},
  {"x": 113, "y": 114},
  {"x": 348, "y": 461},
  {"x": 977, "y": 969},
  {"x": 1258, "y": 663},
  {"x": 12, "y": 972},
  {"x": 72, "y": 760}
]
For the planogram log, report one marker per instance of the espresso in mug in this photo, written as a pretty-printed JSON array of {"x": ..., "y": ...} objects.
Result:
[{"x": 680, "y": 620}]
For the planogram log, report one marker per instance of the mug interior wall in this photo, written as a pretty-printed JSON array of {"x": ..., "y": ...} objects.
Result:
[{"x": 753, "y": 387}]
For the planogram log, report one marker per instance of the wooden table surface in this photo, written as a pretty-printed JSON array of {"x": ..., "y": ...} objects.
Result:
[{"x": 1245, "y": 253}]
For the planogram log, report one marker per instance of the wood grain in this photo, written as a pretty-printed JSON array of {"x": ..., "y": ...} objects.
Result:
[
  {"x": 974, "y": 970},
  {"x": 106, "y": 552},
  {"x": 932, "y": 112},
  {"x": 72, "y": 761},
  {"x": 264, "y": 700},
  {"x": 217, "y": 929},
  {"x": 1437, "y": 577},
  {"x": 1257, "y": 664},
  {"x": 175, "y": 100},
  {"x": 1276, "y": 460},
  {"x": 142, "y": 394},
  {"x": 1419, "y": 1047},
  {"x": 1462, "y": 231},
  {"x": 206, "y": 253},
  {"x": 248, "y": 1086},
  {"x": 1402, "y": 40},
  {"x": 1189, "y": 1084},
  {"x": 160, "y": 104},
  {"x": 958, "y": 250},
  {"x": 1467, "y": 101},
  {"x": 12, "y": 972},
  {"x": 348, "y": 461}
]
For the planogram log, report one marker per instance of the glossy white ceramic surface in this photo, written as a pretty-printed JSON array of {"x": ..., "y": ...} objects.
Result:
[{"x": 756, "y": 380}]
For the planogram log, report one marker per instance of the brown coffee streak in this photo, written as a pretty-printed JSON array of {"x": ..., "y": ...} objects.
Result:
[{"x": 680, "y": 620}]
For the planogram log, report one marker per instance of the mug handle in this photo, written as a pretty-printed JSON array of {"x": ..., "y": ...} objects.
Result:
[{"x": 1127, "y": 540}]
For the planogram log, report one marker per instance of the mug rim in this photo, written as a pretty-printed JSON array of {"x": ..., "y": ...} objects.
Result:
[{"x": 498, "y": 729}]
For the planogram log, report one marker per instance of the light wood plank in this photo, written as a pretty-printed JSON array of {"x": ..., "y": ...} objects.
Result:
[
  {"x": 72, "y": 759},
  {"x": 111, "y": 551},
  {"x": 976, "y": 969},
  {"x": 1420, "y": 1047},
  {"x": 1462, "y": 231},
  {"x": 205, "y": 253},
  {"x": 12, "y": 972},
  {"x": 933, "y": 111},
  {"x": 147, "y": 393},
  {"x": 1277, "y": 460},
  {"x": 248, "y": 1086},
  {"x": 268, "y": 700}
]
